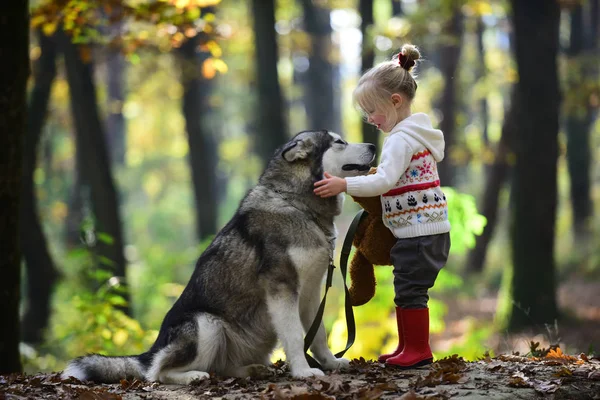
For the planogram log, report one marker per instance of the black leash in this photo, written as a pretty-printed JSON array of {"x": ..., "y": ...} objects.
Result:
[{"x": 350, "y": 323}]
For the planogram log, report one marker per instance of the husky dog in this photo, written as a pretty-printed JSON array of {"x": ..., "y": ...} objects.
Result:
[{"x": 257, "y": 282}]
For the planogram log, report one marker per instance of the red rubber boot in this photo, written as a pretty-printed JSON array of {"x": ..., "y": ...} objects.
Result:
[
  {"x": 416, "y": 353},
  {"x": 382, "y": 358}
]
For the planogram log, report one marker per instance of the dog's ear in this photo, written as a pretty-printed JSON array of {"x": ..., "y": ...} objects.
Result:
[{"x": 298, "y": 149}]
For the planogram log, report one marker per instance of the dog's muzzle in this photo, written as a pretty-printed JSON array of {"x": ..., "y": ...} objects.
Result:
[{"x": 355, "y": 167}]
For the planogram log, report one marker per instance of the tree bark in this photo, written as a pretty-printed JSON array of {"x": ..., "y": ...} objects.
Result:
[
  {"x": 365, "y": 8},
  {"x": 96, "y": 165},
  {"x": 115, "y": 121},
  {"x": 449, "y": 52},
  {"x": 201, "y": 136},
  {"x": 496, "y": 175},
  {"x": 14, "y": 70},
  {"x": 579, "y": 119},
  {"x": 272, "y": 130},
  {"x": 41, "y": 271},
  {"x": 76, "y": 202},
  {"x": 320, "y": 97},
  {"x": 397, "y": 10},
  {"x": 482, "y": 72},
  {"x": 536, "y": 25}
]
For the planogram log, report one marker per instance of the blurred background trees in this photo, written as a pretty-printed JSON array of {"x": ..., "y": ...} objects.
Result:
[{"x": 148, "y": 121}]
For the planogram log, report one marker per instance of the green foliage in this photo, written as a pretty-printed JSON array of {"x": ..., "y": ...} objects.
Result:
[
  {"x": 95, "y": 324},
  {"x": 472, "y": 343},
  {"x": 88, "y": 320},
  {"x": 465, "y": 220}
]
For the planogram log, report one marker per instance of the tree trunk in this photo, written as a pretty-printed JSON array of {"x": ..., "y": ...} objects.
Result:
[
  {"x": 320, "y": 97},
  {"x": 365, "y": 8},
  {"x": 41, "y": 272},
  {"x": 496, "y": 176},
  {"x": 579, "y": 119},
  {"x": 14, "y": 70},
  {"x": 452, "y": 34},
  {"x": 536, "y": 24},
  {"x": 482, "y": 72},
  {"x": 594, "y": 24},
  {"x": 115, "y": 122},
  {"x": 271, "y": 127},
  {"x": 96, "y": 165},
  {"x": 201, "y": 137},
  {"x": 76, "y": 201},
  {"x": 397, "y": 10}
]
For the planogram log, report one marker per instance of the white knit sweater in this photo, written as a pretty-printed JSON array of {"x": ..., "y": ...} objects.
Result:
[{"x": 407, "y": 180}]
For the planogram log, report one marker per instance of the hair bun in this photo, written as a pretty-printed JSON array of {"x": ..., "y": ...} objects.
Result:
[{"x": 408, "y": 56}]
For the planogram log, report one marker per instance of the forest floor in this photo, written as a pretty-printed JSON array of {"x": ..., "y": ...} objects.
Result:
[
  {"x": 554, "y": 375},
  {"x": 544, "y": 373},
  {"x": 578, "y": 329}
]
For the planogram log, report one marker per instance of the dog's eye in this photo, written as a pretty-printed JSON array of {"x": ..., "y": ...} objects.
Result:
[{"x": 340, "y": 141}]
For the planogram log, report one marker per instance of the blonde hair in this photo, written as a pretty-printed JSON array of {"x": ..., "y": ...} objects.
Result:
[{"x": 376, "y": 86}]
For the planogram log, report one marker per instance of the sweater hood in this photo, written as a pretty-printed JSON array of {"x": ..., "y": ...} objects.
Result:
[{"x": 418, "y": 126}]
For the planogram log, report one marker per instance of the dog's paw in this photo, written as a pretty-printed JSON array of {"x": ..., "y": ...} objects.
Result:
[
  {"x": 336, "y": 363},
  {"x": 307, "y": 373},
  {"x": 189, "y": 377}
]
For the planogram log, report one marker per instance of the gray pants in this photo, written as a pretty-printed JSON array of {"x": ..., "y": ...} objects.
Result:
[{"x": 417, "y": 262}]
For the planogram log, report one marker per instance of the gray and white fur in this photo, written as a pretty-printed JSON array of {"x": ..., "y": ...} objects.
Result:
[{"x": 258, "y": 281}]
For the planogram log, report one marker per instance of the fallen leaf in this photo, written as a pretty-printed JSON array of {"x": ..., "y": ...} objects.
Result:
[
  {"x": 563, "y": 372},
  {"x": 595, "y": 375},
  {"x": 410, "y": 396},
  {"x": 519, "y": 380},
  {"x": 557, "y": 354},
  {"x": 545, "y": 387}
]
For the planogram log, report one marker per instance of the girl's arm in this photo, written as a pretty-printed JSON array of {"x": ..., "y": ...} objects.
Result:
[{"x": 395, "y": 159}]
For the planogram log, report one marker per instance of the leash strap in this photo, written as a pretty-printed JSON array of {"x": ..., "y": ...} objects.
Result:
[{"x": 350, "y": 322}]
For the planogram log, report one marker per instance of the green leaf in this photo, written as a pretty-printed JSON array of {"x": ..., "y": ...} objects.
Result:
[
  {"x": 106, "y": 261},
  {"x": 105, "y": 238}
]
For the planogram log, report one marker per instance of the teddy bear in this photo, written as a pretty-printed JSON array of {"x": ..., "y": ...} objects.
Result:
[{"x": 373, "y": 243}]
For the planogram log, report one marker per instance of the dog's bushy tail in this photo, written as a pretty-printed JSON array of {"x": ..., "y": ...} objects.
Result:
[{"x": 103, "y": 369}]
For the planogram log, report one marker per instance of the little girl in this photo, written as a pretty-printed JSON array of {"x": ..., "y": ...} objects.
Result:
[{"x": 414, "y": 207}]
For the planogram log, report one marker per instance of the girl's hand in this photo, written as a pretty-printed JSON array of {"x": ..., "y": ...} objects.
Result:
[{"x": 330, "y": 186}]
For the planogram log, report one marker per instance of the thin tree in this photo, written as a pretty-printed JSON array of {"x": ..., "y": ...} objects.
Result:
[
  {"x": 115, "y": 74},
  {"x": 581, "y": 111},
  {"x": 320, "y": 97},
  {"x": 496, "y": 176},
  {"x": 96, "y": 168},
  {"x": 481, "y": 74},
  {"x": 449, "y": 57},
  {"x": 41, "y": 273},
  {"x": 14, "y": 70},
  {"x": 370, "y": 133},
  {"x": 536, "y": 27},
  {"x": 397, "y": 10},
  {"x": 197, "y": 111},
  {"x": 271, "y": 128}
]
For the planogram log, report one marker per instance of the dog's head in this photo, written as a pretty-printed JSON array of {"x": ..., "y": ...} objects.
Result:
[
  {"x": 327, "y": 151},
  {"x": 348, "y": 159}
]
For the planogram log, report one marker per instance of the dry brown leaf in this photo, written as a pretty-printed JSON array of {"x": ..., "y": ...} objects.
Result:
[
  {"x": 513, "y": 358},
  {"x": 369, "y": 393},
  {"x": 557, "y": 354},
  {"x": 410, "y": 396},
  {"x": 563, "y": 372},
  {"x": 495, "y": 366},
  {"x": 519, "y": 380}
]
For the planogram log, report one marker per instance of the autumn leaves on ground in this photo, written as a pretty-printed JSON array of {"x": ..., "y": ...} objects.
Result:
[{"x": 542, "y": 373}]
